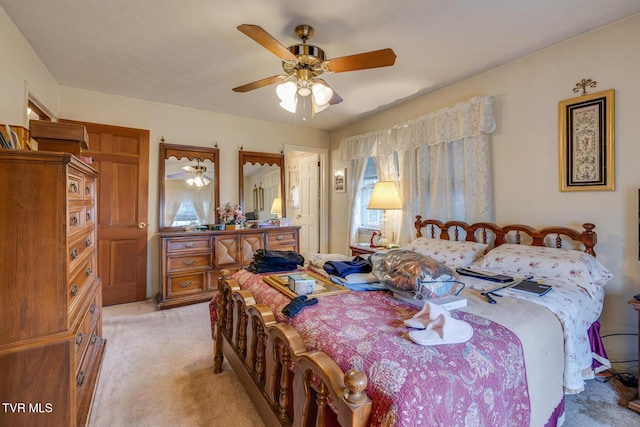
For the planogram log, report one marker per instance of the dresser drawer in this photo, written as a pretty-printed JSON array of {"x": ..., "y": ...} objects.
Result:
[
  {"x": 188, "y": 244},
  {"x": 183, "y": 284},
  {"x": 75, "y": 186},
  {"x": 81, "y": 278},
  {"x": 89, "y": 189},
  {"x": 189, "y": 263},
  {"x": 83, "y": 336},
  {"x": 77, "y": 219},
  {"x": 80, "y": 248},
  {"x": 287, "y": 238}
]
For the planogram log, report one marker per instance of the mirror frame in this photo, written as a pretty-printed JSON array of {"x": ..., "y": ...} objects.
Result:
[
  {"x": 191, "y": 153},
  {"x": 255, "y": 157}
]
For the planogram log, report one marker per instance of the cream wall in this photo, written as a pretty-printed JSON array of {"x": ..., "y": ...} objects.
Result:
[{"x": 525, "y": 154}]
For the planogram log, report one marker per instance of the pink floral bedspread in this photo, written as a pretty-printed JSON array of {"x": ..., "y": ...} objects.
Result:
[{"x": 477, "y": 383}]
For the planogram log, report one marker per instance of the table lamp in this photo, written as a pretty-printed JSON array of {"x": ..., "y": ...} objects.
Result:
[
  {"x": 276, "y": 207},
  {"x": 385, "y": 196}
]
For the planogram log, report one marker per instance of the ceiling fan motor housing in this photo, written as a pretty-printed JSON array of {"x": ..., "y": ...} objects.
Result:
[{"x": 310, "y": 57}]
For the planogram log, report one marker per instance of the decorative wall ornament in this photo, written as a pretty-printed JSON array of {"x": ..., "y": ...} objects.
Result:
[
  {"x": 583, "y": 84},
  {"x": 587, "y": 142}
]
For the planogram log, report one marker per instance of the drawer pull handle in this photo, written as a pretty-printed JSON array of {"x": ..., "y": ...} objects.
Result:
[
  {"x": 87, "y": 242},
  {"x": 185, "y": 284},
  {"x": 74, "y": 253},
  {"x": 92, "y": 309},
  {"x": 189, "y": 262},
  {"x": 189, "y": 244},
  {"x": 280, "y": 237},
  {"x": 80, "y": 379},
  {"x": 94, "y": 338},
  {"x": 74, "y": 221},
  {"x": 73, "y": 187},
  {"x": 87, "y": 271},
  {"x": 79, "y": 338},
  {"x": 87, "y": 190},
  {"x": 74, "y": 290},
  {"x": 88, "y": 216}
]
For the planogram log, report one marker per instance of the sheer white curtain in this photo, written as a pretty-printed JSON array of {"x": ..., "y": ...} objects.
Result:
[
  {"x": 444, "y": 166},
  {"x": 354, "y": 186}
]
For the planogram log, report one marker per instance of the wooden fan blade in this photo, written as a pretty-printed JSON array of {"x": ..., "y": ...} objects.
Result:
[
  {"x": 335, "y": 99},
  {"x": 179, "y": 175},
  {"x": 258, "y": 34},
  {"x": 362, "y": 61},
  {"x": 260, "y": 83}
]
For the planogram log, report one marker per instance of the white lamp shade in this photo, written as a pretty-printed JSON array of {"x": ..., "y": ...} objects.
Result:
[
  {"x": 321, "y": 94},
  {"x": 276, "y": 207},
  {"x": 385, "y": 196}
]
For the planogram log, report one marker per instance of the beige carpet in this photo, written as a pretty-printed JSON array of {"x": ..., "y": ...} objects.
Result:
[{"x": 158, "y": 371}]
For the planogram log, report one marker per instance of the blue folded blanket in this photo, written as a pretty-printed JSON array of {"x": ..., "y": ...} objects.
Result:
[{"x": 343, "y": 268}]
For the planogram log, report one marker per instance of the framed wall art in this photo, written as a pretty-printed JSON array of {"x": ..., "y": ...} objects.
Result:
[
  {"x": 586, "y": 142},
  {"x": 340, "y": 180}
]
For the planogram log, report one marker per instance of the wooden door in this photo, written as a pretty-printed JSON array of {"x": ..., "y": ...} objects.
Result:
[{"x": 122, "y": 157}]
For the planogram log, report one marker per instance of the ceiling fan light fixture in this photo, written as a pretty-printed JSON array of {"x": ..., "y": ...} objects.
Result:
[
  {"x": 321, "y": 94},
  {"x": 198, "y": 181},
  {"x": 304, "y": 91},
  {"x": 286, "y": 91},
  {"x": 290, "y": 104}
]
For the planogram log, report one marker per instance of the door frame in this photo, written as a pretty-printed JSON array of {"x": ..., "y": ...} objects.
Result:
[{"x": 323, "y": 153}]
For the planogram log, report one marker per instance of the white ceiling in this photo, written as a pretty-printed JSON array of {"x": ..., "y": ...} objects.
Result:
[{"x": 190, "y": 53}]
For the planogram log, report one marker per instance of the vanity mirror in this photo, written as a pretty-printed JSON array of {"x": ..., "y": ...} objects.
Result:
[
  {"x": 189, "y": 182},
  {"x": 261, "y": 181}
]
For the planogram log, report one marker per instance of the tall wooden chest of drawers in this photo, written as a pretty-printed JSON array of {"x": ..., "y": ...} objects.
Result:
[
  {"x": 51, "y": 346},
  {"x": 192, "y": 261}
]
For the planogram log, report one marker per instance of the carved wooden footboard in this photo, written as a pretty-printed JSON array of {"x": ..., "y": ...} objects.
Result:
[{"x": 288, "y": 384}]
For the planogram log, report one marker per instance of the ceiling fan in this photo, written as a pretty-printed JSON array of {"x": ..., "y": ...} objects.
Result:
[
  {"x": 303, "y": 63},
  {"x": 194, "y": 175}
]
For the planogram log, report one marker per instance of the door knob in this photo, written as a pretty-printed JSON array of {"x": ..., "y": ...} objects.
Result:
[{"x": 141, "y": 225}]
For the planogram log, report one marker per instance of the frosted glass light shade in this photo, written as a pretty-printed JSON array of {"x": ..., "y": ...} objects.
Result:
[{"x": 321, "y": 94}]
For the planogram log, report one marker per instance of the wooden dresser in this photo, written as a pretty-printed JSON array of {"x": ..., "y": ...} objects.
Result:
[
  {"x": 51, "y": 347},
  {"x": 192, "y": 261}
]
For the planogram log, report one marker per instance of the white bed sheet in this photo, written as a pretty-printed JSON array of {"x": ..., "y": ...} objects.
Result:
[{"x": 575, "y": 309}]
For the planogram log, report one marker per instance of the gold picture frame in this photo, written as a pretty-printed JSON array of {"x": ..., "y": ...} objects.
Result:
[
  {"x": 324, "y": 287},
  {"x": 587, "y": 142}
]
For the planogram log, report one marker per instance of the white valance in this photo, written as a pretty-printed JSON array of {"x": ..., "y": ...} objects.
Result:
[{"x": 464, "y": 120}]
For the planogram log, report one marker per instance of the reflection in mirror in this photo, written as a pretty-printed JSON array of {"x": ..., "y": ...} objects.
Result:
[
  {"x": 260, "y": 182},
  {"x": 189, "y": 186}
]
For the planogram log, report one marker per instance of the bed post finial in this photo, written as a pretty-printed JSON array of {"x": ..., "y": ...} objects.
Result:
[
  {"x": 589, "y": 238},
  {"x": 418, "y": 225},
  {"x": 355, "y": 382}
]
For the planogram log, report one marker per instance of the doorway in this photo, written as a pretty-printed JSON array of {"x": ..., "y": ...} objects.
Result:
[{"x": 307, "y": 195}]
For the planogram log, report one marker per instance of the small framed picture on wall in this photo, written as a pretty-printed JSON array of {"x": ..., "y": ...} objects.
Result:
[{"x": 340, "y": 180}]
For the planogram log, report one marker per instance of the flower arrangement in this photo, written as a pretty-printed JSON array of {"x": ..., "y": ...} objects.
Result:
[{"x": 229, "y": 214}]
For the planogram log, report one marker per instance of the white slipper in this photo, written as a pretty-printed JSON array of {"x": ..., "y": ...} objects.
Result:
[
  {"x": 428, "y": 313},
  {"x": 443, "y": 330}
]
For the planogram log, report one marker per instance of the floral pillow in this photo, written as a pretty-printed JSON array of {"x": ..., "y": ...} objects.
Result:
[
  {"x": 450, "y": 252},
  {"x": 538, "y": 261}
]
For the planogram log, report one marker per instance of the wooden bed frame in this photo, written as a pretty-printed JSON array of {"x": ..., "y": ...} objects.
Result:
[{"x": 291, "y": 386}]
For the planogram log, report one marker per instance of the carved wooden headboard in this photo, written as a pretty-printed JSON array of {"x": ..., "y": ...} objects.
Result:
[{"x": 495, "y": 235}]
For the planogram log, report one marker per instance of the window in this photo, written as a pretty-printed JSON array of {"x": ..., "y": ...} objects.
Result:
[
  {"x": 186, "y": 215},
  {"x": 371, "y": 218}
]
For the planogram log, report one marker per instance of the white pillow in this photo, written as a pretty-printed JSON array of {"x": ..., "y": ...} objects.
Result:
[
  {"x": 450, "y": 252},
  {"x": 539, "y": 261}
]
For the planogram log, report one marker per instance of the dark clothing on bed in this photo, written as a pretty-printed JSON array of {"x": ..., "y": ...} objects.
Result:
[
  {"x": 271, "y": 261},
  {"x": 343, "y": 268}
]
